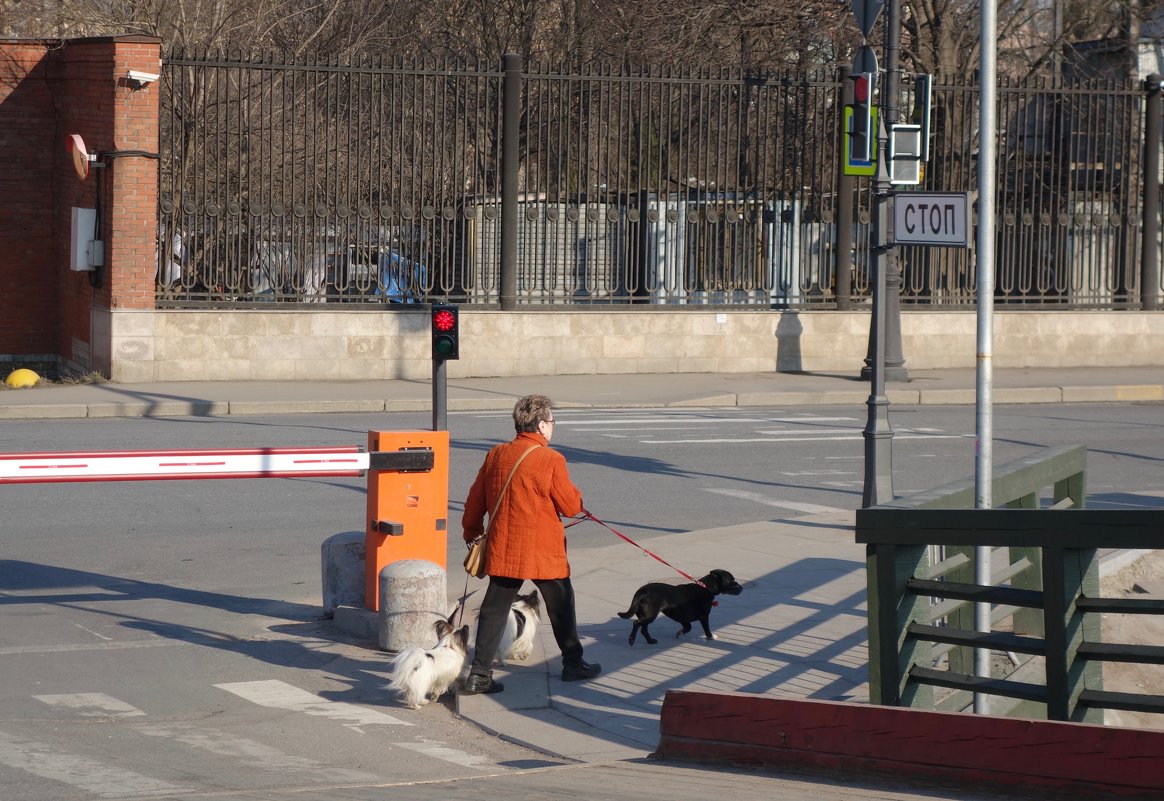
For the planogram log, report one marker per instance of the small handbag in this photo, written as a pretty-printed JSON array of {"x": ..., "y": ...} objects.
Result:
[{"x": 478, "y": 548}]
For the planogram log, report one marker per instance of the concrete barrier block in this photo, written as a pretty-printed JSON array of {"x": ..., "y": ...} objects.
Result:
[
  {"x": 342, "y": 557},
  {"x": 358, "y": 621},
  {"x": 413, "y": 598}
]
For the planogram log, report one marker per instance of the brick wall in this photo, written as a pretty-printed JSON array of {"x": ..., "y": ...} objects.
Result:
[
  {"x": 48, "y": 90},
  {"x": 28, "y": 275}
]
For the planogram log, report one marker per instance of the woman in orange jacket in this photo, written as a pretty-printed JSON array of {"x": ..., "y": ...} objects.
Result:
[{"x": 526, "y": 539}]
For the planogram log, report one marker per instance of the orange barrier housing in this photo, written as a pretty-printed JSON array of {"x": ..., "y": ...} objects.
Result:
[{"x": 407, "y": 511}]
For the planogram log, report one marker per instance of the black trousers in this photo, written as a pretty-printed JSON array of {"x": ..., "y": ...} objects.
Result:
[{"x": 558, "y": 598}]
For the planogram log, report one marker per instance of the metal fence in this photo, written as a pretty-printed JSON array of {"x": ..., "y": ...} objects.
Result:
[{"x": 377, "y": 182}]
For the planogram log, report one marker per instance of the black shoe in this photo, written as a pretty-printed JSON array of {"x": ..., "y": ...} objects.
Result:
[
  {"x": 481, "y": 685},
  {"x": 580, "y": 671}
]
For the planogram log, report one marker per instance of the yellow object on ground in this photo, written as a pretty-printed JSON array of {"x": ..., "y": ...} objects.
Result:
[{"x": 22, "y": 379}]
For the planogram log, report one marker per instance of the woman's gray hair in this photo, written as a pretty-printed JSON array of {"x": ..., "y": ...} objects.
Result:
[{"x": 529, "y": 411}]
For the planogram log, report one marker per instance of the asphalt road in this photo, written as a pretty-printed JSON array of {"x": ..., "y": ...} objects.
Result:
[{"x": 159, "y": 639}]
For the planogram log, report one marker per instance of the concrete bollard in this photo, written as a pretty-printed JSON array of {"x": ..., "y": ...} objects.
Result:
[
  {"x": 342, "y": 557},
  {"x": 412, "y": 599}
]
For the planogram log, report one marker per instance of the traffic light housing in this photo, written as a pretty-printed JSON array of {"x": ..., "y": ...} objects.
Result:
[
  {"x": 862, "y": 135},
  {"x": 445, "y": 325}
]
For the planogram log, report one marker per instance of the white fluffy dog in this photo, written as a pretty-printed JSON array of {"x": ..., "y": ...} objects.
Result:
[
  {"x": 420, "y": 675},
  {"x": 517, "y": 639}
]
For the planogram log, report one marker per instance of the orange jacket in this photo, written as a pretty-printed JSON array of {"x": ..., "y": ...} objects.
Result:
[{"x": 527, "y": 540}]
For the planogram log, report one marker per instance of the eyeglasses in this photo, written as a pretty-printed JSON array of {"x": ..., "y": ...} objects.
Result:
[{"x": 550, "y": 421}]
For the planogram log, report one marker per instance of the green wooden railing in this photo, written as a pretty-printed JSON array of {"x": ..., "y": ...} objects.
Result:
[{"x": 1044, "y": 583}]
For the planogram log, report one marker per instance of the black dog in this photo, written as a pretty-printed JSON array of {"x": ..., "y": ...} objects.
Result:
[{"x": 684, "y": 603}]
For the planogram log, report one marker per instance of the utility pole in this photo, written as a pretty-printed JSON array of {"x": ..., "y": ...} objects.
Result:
[{"x": 984, "y": 385}]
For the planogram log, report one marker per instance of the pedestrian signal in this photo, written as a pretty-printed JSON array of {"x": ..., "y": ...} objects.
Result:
[
  {"x": 445, "y": 332},
  {"x": 862, "y": 134}
]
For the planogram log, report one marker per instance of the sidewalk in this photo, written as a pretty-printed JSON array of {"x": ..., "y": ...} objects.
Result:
[
  {"x": 797, "y": 629},
  {"x": 178, "y": 398}
]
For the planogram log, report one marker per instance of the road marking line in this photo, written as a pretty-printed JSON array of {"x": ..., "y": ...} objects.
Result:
[
  {"x": 782, "y": 440},
  {"x": 96, "y": 634},
  {"x": 48, "y": 762},
  {"x": 612, "y": 421},
  {"x": 280, "y": 695},
  {"x": 808, "y": 508},
  {"x": 810, "y": 419},
  {"x": 92, "y": 646},
  {"x": 91, "y": 705},
  {"x": 777, "y": 432}
]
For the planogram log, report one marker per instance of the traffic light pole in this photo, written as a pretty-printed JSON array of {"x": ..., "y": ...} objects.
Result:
[
  {"x": 878, "y": 432},
  {"x": 440, "y": 396},
  {"x": 445, "y": 329}
]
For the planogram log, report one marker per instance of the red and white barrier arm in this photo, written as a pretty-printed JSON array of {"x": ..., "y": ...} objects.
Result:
[{"x": 30, "y": 468}]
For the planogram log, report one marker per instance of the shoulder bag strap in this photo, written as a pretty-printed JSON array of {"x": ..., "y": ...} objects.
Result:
[{"x": 505, "y": 486}]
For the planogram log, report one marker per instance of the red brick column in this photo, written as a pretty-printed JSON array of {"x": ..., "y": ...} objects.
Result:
[{"x": 50, "y": 89}]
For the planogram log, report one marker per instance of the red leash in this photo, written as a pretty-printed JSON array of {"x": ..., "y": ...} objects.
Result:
[{"x": 587, "y": 515}]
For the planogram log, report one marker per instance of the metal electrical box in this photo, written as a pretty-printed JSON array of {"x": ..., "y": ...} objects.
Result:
[
  {"x": 82, "y": 239},
  {"x": 407, "y": 510}
]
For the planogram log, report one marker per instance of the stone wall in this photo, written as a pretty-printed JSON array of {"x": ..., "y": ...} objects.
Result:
[{"x": 155, "y": 345}]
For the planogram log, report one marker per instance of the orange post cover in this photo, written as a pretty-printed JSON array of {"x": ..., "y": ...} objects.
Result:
[{"x": 419, "y": 501}]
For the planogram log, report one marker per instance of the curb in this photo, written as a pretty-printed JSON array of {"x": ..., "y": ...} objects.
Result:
[{"x": 1123, "y": 393}]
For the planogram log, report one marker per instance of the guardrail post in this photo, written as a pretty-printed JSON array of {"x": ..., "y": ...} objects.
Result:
[
  {"x": 1073, "y": 487},
  {"x": 962, "y": 658},
  {"x": 1028, "y": 621},
  {"x": 1068, "y": 574},
  {"x": 891, "y": 610}
]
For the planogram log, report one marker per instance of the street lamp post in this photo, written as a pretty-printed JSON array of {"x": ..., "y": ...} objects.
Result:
[
  {"x": 878, "y": 433},
  {"x": 893, "y": 364}
]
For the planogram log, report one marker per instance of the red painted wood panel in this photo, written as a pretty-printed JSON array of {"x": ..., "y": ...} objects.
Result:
[{"x": 1047, "y": 754}]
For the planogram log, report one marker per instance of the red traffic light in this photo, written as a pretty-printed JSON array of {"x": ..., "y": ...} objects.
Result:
[
  {"x": 861, "y": 87},
  {"x": 445, "y": 332},
  {"x": 444, "y": 320}
]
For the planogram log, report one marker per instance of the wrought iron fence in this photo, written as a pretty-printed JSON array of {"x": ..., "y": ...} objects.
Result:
[{"x": 377, "y": 182}]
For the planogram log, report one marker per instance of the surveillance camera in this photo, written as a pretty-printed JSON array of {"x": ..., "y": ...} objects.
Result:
[{"x": 142, "y": 78}]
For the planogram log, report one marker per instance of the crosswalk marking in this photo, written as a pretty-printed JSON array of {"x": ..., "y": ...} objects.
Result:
[
  {"x": 92, "y": 705},
  {"x": 444, "y": 753},
  {"x": 256, "y": 754},
  {"x": 280, "y": 695},
  {"x": 94, "y": 778},
  {"x": 46, "y": 761},
  {"x": 807, "y": 508}
]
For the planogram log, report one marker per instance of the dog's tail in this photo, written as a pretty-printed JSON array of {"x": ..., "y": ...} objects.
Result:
[
  {"x": 405, "y": 664},
  {"x": 628, "y": 614}
]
